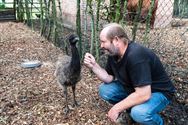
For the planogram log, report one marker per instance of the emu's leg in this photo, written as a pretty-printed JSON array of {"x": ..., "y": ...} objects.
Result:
[
  {"x": 66, "y": 109},
  {"x": 74, "y": 97}
]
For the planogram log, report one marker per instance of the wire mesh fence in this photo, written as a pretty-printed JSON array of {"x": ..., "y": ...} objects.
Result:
[{"x": 146, "y": 26}]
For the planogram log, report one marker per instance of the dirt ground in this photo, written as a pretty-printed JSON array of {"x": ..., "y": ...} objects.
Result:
[{"x": 32, "y": 96}]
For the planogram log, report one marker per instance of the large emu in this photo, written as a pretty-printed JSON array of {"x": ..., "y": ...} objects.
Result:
[{"x": 68, "y": 70}]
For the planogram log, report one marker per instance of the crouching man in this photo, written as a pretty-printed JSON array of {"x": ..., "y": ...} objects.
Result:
[{"x": 134, "y": 78}]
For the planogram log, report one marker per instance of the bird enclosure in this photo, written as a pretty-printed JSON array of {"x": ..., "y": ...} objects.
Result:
[{"x": 32, "y": 96}]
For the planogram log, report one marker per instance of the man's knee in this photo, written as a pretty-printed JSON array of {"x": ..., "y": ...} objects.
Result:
[
  {"x": 104, "y": 92},
  {"x": 112, "y": 92},
  {"x": 140, "y": 115}
]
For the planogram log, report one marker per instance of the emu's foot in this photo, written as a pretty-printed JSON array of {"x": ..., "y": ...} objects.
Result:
[
  {"x": 66, "y": 110},
  {"x": 75, "y": 104}
]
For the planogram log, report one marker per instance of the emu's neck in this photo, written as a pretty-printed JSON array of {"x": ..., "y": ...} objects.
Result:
[{"x": 75, "y": 61}]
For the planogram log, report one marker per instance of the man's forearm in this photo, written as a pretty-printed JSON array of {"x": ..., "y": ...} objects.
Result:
[
  {"x": 134, "y": 99},
  {"x": 102, "y": 74}
]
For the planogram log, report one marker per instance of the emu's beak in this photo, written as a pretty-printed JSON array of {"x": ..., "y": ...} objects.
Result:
[{"x": 76, "y": 39}]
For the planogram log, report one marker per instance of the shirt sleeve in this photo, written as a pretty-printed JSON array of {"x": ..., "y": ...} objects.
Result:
[{"x": 140, "y": 74}]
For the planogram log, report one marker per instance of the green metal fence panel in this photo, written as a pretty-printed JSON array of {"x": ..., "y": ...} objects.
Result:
[
  {"x": 2, "y": 4},
  {"x": 7, "y": 10},
  {"x": 6, "y": 4}
]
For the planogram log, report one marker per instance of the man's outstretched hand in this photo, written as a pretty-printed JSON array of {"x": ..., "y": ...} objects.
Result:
[{"x": 89, "y": 60}]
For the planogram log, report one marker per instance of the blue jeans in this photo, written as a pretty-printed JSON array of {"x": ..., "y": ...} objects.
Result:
[{"x": 145, "y": 113}]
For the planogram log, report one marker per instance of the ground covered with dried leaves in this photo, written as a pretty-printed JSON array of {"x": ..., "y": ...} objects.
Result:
[{"x": 32, "y": 96}]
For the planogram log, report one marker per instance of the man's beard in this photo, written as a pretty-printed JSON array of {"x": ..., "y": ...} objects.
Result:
[{"x": 111, "y": 52}]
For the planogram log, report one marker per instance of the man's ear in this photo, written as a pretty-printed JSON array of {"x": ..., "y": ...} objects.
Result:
[{"x": 116, "y": 40}]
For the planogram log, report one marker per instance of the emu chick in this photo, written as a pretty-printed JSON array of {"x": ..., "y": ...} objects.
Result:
[{"x": 68, "y": 71}]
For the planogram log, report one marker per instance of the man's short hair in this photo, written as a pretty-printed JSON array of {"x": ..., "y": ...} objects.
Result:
[{"x": 116, "y": 30}]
